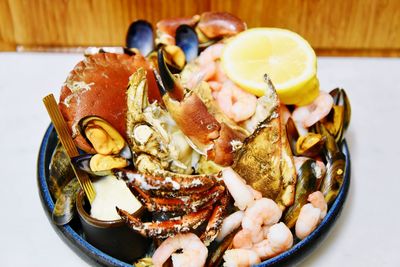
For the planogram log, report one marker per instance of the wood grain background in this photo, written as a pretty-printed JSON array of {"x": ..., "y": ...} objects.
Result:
[{"x": 341, "y": 27}]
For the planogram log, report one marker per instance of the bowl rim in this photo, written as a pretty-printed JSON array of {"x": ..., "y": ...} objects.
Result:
[{"x": 91, "y": 253}]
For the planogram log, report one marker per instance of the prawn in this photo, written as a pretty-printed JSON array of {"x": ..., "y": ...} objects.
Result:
[
  {"x": 210, "y": 54},
  {"x": 264, "y": 212},
  {"x": 205, "y": 73},
  {"x": 240, "y": 257},
  {"x": 318, "y": 201},
  {"x": 243, "y": 239},
  {"x": 240, "y": 192},
  {"x": 194, "y": 252},
  {"x": 230, "y": 224},
  {"x": 307, "y": 116},
  {"x": 279, "y": 239},
  {"x": 311, "y": 215},
  {"x": 237, "y": 104}
]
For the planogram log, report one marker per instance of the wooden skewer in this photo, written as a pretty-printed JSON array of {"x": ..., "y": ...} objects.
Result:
[{"x": 66, "y": 140}]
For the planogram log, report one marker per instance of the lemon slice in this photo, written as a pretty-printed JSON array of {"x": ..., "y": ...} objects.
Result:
[{"x": 285, "y": 56}]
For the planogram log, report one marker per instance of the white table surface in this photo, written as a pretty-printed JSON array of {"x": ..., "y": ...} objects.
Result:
[{"x": 366, "y": 234}]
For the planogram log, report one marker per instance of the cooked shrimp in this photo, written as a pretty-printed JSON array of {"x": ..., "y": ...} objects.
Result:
[
  {"x": 312, "y": 113},
  {"x": 238, "y": 189},
  {"x": 279, "y": 240},
  {"x": 205, "y": 73},
  {"x": 236, "y": 103},
  {"x": 311, "y": 215},
  {"x": 194, "y": 252},
  {"x": 318, "y": 201},
  {"x": 220, "y": 75},
  {"x": 307, "y": 221},
  {"x": 264, "y": 212},
  {"x": 240, "y": 258},
  {"x": 210, "y": 54},
  {"x": 265, "y": 230},
  {"x": 215, "y": 86},
  {"x": 284, "y": 114},
  {"x": 230, "y": 224},
  {"x": 242, "y": 239},
  {"x": 256, "y": 194}
]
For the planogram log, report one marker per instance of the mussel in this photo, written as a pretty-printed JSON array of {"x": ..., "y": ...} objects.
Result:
[
  {"x": 100, "y": 165},
  {"x": 60, "y": 171},
  {"x": 103, "y": 137},
  {"x": 64, "y": 208},
  {"x": 338, "y": 119},
  {"x": 306, "y": 184},
  {"x": 309, "y": 145},
  {"x": 140, "y": 36},
  {"x": 335, "y": 166},
  {"x": 185, "y": 50},
  {"x": 111, "y": 148},
  {"x": 174, "y": 57},
  {"x": 186, "y": 39}
]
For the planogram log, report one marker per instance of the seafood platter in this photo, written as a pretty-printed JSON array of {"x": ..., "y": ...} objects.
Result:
[{"x": 211, "y": 144}]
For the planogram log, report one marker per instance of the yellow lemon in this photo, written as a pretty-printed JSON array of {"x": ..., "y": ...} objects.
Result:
[{"x": 284, "y": 56}]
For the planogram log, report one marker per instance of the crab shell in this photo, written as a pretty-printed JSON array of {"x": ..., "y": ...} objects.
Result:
[{"x": 97, "y": 86}]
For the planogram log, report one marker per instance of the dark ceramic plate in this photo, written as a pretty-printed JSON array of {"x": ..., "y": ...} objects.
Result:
[{"x": 71, "y": 233}]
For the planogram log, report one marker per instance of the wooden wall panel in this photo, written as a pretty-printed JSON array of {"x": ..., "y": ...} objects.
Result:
[
  {"x": 364, "y": 27},
  {"x": 7, "y": 39},
  {"x": 326, "y": 24}
]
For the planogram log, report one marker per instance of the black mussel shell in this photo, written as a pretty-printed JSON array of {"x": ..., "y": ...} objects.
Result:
[
  {"x": 60, "y": 171},
  {"x": 306, "y": 184},
  {"x": 140, "y": 36},
  {"x": 335, "y": 167},
  {"x": 64, "y": 208},
  {"x": 338, "y": 119},
  {"x": 186, "y": 38},
  {"x": 83, "y": 162},
  {"x": 292, "y": 134}
]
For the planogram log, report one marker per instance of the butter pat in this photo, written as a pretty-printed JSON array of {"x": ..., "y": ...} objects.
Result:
[{"x": 110, "y": 193}]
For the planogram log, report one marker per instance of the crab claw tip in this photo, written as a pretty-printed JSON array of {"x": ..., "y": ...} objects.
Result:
[{"x": 170, "y": 84}]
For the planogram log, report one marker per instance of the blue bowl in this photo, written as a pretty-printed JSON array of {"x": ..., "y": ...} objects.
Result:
[{"x": 72, "y": 233}]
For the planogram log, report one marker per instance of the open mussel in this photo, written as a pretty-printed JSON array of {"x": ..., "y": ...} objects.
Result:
[
  {"x": 104, "y": 138},
  {"x": 308, "y": 145},
  {"x": 338, "y": 119},
  {"x": 140, "y": 36},
  {"x": 185, "y": 50},
  {"x": 335, "y": 166},
  {"x": 112, "y": 151},
  {"x": 100, "y": 165}
]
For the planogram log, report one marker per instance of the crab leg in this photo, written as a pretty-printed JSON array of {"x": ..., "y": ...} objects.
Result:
[
  {"x": 164, "y": 229},
  {"x": 168, "y": 181},
  {"x": 191, "y": 115},
  {"x": 215, "y": 221},
  {"x": 191, "y": 203}
]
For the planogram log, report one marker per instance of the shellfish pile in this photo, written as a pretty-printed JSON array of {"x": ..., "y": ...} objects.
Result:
[{"x": 221, "y": 184}]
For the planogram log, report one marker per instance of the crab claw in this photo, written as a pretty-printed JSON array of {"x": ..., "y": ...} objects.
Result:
[
  {"x": 169, "y": 83},
  {"x": 209, "y": 137}
]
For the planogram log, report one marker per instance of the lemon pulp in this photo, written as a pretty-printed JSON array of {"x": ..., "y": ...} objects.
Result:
[{"x": 285, "y": 56}]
